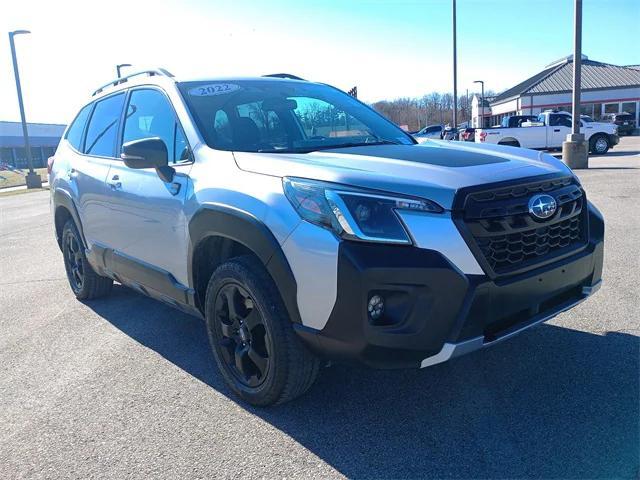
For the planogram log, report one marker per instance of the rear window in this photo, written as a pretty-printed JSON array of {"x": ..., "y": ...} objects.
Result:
[
  {"x": 625, "y": 116},
  {"x": 75, "y": 131},
  {"x": 103, "y": 127}
]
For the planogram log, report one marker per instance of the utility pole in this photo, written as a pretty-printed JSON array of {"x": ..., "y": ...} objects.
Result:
[
  {"x": 455, "y": 71},
  {"x": 574, "y": 149},
  {"x": 32, "y": 179},
  {"x": 467, "y": 115},
  {"x": 481, "y": 82}
]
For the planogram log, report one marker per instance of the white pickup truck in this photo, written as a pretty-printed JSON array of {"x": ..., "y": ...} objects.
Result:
[{"x": 549, "y": 131}]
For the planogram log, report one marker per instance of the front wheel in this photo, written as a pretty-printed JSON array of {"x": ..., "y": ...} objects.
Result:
[
  {"x": 252, "y": 338},
  {"x": 599, "y": 145}
]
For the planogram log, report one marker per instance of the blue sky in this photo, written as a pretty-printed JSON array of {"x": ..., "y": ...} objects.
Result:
[{"x": 388, "y": 49}]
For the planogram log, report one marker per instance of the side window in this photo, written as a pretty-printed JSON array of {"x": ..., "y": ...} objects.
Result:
[
  {"x": 149, "y": 114},
  {"x": 103, "y": 127},
  {"x": 74, "y": 134},
  {"x": 565, "y": 121}
]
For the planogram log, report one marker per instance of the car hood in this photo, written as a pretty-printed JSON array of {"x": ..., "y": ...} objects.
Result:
[{"x": 435, "y": 170}]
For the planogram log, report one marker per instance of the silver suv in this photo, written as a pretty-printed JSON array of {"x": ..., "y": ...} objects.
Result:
[{"x": 304, "y": 228}]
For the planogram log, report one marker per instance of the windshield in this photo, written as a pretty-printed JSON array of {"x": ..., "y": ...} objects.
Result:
[{"x": 284, "y": 116}]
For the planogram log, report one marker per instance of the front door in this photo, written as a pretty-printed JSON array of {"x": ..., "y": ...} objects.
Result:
[
  {"x": 559, "y": 128},
  {"x": 148, "y": 232}
]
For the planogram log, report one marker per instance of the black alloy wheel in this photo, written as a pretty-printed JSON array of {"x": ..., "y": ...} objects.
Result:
[
  {"x": 73, "y": 257},
  {"x": 259, "y": 354},
  {"x": 83, "y": 279},
  {"x": 245, "y": 343}
]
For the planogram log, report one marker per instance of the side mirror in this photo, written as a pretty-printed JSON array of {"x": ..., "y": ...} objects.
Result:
[{"x": 148, "y": 153}]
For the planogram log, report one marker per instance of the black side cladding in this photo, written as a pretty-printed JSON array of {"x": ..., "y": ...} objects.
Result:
[
  {"x": 63, "y": 199},
  {"x": 240, "y": 226}
]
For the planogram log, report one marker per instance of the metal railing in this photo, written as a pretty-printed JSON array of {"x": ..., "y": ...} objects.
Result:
[{"x": 118, "y": 81}]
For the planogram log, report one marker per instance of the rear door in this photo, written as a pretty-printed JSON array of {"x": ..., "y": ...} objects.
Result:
[
  {"x": 147, "y": 222},
  {"x": 89, "y": 171}
]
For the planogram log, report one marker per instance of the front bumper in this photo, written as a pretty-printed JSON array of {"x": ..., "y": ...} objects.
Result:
[
  {"x": 614, "y": 139},
  {"x": 434, "y": 312}
]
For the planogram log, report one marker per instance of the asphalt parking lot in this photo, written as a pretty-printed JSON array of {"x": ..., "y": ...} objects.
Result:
[{"x": 125, "y": 387}]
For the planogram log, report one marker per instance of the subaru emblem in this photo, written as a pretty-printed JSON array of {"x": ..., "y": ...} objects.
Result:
[{"x": 542, "y": 206}]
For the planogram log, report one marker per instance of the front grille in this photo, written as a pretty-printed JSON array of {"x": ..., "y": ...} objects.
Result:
[{"x": 509, "y": 239}]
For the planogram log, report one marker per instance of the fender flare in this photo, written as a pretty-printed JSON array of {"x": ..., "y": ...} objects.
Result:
[
  {"x": 246, "y": 229},
  {"x": 62, "y": 198}
]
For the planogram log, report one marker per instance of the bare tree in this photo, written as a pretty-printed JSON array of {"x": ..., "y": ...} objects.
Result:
[{"x": 432, "y": 108}]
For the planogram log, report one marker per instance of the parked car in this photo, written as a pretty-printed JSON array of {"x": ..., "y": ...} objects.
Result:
[
  {"x": 302, "y": 240},
  {"x": 625, "y": 122},
  {"x": 430, "y": 132},
  {"x": 549, "y": 131},
  {"x": 468, "y": 134}
]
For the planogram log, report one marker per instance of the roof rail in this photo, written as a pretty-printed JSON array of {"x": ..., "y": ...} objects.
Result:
[
  {"x": 284, "y": 75},
  {"x": 117, "y": 81}
]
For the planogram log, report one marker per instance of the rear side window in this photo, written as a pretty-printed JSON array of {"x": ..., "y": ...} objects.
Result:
[
  {"x": 74, "y": 134},
  {"x": 103, "y": 127}
]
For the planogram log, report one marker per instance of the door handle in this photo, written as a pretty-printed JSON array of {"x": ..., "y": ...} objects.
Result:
[
  {"x": 556, "y": 129},
  {"x": 115, "y": 183}
]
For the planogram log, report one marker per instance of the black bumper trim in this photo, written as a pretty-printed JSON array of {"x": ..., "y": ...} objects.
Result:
[
  {"x": 434, "y": 311},
  {"x": 452, "y": 350}
]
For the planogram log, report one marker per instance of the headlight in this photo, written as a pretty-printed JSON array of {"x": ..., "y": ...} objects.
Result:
[{"x": 353, "y": 213}]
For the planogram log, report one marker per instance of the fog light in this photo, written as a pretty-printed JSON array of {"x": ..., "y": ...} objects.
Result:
[{"x": 375, "y": 307}]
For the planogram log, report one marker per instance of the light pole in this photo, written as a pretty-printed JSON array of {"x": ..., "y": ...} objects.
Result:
[
  {"x": 119, "y": 66},
  {"x": 33, "y": 179},
  {"x": 481, "y": 82},
  {"x": 455, "y": 71},
  {"x": 574, "y": 149}
]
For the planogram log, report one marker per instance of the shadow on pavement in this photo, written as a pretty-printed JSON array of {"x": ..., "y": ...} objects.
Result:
[{"x": 551, "y": 403}]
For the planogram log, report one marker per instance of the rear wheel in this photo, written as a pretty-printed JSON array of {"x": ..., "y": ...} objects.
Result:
[
  {"x": 84, "y": 281},
  {"x": 252, "y": 338},
  {"x": 599, "y": 145}
]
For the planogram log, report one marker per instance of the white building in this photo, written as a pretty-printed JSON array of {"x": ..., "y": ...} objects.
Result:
[{"x": 606, "y": 89}]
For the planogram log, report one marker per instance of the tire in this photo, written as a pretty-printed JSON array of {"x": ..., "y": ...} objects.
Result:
[
  {"x": 510, "y": 144},
  {"x": 85, "y": 283},
  {"x": 599, "y": 145},
  {"x": 255, "y": 347}
]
